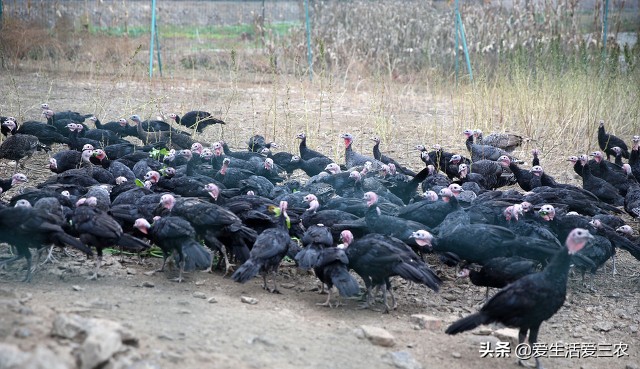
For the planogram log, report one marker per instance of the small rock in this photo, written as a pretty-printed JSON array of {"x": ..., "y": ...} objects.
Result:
[
  {"x": 631, "y": 366},
  {"x": 200, "y": 283},
  {"x": 23, "y": 332},
  {"x": 603, "y": 326},
  {"x": 131, "y": 271},
  {"x": 456, "y": 355},
  {"x": 143, "y": 364},
  {"x": 482, "y": 331},
  {"x": 12, "y": 356},
  {"x": 150, "y": 273},
  {"x": 633, "y": 328},
  {"x": 166, "y": 337},
  {"x": 25, "y": 310},
  {"x": 427, "y": 321},
  {"x": 212, "y": 300},
  {"x": 148, "y": 284},
  {"x": 68, "y": 326},
  {"x": 77, "y": 288},
  {"x": 75, "y": 327},
  {"x": 41, "y": 357},
  {"x": 99, "y": 346},
  {"x": 287, "y": 285},
  {"x": 450, "y": 297},
  {"x": 101, "y": 304},
  {"x": 7, "y": 293},
  {"x": 401, "y": 360},
  {"x": 172, "y": 356},
  {"x": 620, "y": 313},
  {"x": 248, "y": 300},
  {"x": 199, "y": 295},
  {"x": 184, "y": 311},
  {"x": 261, "y": 339},
  {"x": 507, "y": 334},
  {"x": 378, "y": 336}
]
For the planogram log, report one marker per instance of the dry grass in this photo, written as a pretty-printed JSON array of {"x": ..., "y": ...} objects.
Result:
[
  {"x": 536, "y": 79},
  {"x": 559, "y": 116}
]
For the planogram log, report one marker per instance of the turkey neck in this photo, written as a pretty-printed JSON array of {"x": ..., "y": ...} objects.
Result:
[
  {"x": 348, "y": 150},
  {"x": 105, "y": 163},
  {"x": 144, "y": 135},
  {"x": 225, "y": 149},
  {"x": 469, "y": 142},
  {"x": 141, "y": 133},
  {"x": 376, "y": 151},
  {"x": 438, "y": 157},
  {"x": 453, "y": 203},
  {"x": 373, "y": 212},
  {"x": 73, "y": 139},
  {"x": 558, "y": 268},
  {"x": 586, "y": 171},
  {"x": 515, "y": 169},
  {"x": 195, "y": 160},
  {"x": 282, "y": 221},
  {"x": 601, "y": 133},
  {"x": 303, "y": 144},
  {"x": 578, "y": 168}
]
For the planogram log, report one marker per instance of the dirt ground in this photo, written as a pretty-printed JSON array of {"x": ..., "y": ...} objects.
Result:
[{"x": 176, "y": 324}]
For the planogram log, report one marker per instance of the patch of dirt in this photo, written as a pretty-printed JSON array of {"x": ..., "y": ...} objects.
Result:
[{"x": 177, "y": 329}]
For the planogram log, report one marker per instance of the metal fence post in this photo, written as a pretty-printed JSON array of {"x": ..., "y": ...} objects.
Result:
[
  {"x": 460, "y": 32},
  {"x": 153, "y": 34}
]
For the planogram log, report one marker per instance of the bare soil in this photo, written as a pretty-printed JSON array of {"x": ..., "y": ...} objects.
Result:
[{"x": 178, "y": 330}]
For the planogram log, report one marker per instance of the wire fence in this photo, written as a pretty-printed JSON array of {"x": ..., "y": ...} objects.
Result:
[
  {"x": 385, "y": 36},
  {"x": 137, "y": 13}
]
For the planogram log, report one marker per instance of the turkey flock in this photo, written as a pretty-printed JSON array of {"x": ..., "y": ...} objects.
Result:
[{"x": 242, "y": 212}]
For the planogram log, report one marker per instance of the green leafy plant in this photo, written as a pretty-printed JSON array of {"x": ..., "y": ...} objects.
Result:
[{"x": 156, "y": 154}]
